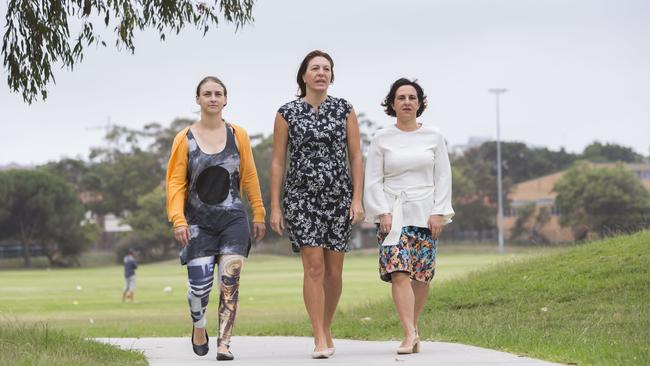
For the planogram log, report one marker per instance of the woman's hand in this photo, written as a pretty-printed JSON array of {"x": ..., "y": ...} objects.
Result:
[
  {"x": 259, "y": 230},
  {"x": 436, "y": 223},
  {"x": 182, "y": 235},
  {"x": 277, "y": 221},
  {"x": 385, "y": 223},
  {"x": 356, "y": 212}
]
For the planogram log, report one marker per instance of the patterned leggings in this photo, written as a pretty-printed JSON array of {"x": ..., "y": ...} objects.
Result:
[{"x": 201, "y": 276}]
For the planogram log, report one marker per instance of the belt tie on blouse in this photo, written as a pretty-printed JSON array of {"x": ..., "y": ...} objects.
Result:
[{"x": 401, "y": 197}]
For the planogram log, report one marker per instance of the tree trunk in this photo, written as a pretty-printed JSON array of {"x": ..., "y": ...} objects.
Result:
[
  {"x": 26, "y": 239},
  {"x": 27, "y": 255}
]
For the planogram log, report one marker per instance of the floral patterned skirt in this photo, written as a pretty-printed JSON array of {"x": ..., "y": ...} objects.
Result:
[
  {"x": 415, "y": 254},
  {"x": 318, "y": 219}
]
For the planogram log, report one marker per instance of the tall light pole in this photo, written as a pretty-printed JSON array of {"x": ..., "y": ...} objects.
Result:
[{"x": 497, "y": 92}]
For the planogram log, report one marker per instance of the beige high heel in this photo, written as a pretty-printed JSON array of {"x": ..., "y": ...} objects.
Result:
[
  {"x": 412, "y": 348},
  {"x": 416, "y": 347},
  {"x": 321, "y": 354}
]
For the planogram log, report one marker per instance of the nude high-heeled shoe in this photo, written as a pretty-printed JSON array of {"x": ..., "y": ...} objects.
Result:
[
  {"x": 411, "y": 348},
  {"x": 321, "y": 354}
]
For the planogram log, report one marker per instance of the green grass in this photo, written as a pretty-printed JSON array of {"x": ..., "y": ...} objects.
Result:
[
  {"x": 38, "y": 345},
  {"x": 588, "y": 305},
  {"x": 271, "y": 295}
]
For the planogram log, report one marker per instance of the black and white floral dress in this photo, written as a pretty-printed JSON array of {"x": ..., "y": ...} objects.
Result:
[{"x": 318, "y": 187}]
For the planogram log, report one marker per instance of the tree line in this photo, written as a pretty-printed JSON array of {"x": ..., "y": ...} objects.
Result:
[
  {"x": 60, "y": 204},
  {"x": 475, "y": 189}
]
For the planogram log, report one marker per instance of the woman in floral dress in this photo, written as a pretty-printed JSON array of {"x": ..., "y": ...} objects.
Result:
[
  {"x": 321, "y": 198},
  {"x": 408, "y": 195}
]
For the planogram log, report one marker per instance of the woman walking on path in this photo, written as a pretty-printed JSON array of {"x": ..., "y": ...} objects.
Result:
[
  {"x": 321, "y": 200},
  {"x": 408, "y": 195},
  {"x": 210, "y": 166}
]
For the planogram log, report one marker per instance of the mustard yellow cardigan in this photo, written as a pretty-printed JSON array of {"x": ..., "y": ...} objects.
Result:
[{"x": 177, "y": 177}]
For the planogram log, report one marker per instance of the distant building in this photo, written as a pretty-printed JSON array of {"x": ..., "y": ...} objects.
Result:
[
  {"x": 539, "y": 191},
  {"x": 87, "y": 197},
  {"x": 109, "y": 224}
]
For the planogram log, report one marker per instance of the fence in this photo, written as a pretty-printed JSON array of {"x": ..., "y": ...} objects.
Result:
[{"x": 12, "y": 250}]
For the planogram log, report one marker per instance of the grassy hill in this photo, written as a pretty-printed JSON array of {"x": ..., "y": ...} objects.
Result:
[{"x": 587, "y": 305}]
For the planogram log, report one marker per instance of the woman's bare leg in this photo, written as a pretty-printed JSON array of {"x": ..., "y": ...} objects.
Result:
[
  {"x": 313, "y": 264},
  {"x": 404, "y": 300},
  {"x": 421, "y": 293},
  {"x": 332, "y": 285}
]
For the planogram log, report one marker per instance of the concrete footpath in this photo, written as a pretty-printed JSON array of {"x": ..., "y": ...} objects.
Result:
[{"x": 283, "y": 351}]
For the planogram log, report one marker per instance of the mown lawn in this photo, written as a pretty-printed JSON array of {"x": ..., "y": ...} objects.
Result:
[
  {"x": 88, "y": 301},
  {"x": 585, "y": 305}
]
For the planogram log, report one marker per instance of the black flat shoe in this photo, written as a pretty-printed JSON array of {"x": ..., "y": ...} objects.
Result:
[
  {"x": 203, "y": 349},
  {"x": 225, "y": 356}
]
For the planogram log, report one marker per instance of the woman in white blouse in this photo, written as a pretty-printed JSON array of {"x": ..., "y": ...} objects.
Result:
[{"x": 408, "y": 195}]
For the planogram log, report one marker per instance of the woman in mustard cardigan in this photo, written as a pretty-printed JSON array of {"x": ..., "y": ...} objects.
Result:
[{"x": 210, "y": 166}]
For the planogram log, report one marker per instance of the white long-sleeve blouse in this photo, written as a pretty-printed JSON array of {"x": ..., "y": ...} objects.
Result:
[{"x": 412, "y": 167}]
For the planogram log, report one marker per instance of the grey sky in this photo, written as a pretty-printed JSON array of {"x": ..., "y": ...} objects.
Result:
[{"x": 577, "y": 71}]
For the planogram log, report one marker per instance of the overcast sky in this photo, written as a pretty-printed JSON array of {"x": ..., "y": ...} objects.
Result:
[{"x": 576, "y": 71}]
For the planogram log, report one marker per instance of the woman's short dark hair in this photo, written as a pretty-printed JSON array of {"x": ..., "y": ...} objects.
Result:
[
  {"x": 214, "y": 79},
  {"x": 302, "y": 88},
  {"x": 390, "y": 98}
]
